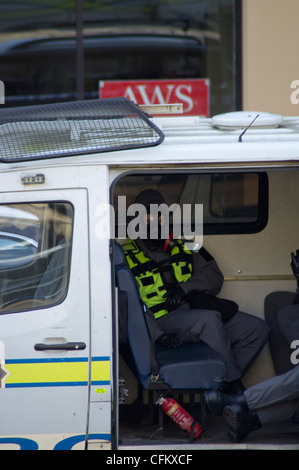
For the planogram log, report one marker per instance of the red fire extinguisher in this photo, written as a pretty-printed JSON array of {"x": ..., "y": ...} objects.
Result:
[{"x": 180, "y": 416}]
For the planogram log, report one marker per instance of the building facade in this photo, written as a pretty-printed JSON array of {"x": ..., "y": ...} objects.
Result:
[{"x": 270, "y": 70}]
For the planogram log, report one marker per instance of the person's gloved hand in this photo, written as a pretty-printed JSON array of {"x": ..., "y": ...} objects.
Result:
[
  {"x": 174, "y": 298},
  {"x": 169, "y": 341}
]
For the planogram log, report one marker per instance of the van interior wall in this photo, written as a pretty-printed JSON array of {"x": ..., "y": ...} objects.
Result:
[{"x": 267, "y": 253}]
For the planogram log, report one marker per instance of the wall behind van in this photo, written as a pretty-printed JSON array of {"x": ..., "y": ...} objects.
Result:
[{"x": 270, "y": 57}]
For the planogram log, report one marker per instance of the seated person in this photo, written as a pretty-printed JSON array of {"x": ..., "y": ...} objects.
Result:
[{"x": 179, "y": 287}]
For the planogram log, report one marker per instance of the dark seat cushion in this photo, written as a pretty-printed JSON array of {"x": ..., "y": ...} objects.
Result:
[{"x": 192, "y": 366}]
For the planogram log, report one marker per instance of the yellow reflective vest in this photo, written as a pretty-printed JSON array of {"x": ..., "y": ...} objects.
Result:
[{"x": 149, "y": 274}]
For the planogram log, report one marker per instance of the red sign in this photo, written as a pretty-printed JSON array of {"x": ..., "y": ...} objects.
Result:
[{"x": 192, "y": 93}]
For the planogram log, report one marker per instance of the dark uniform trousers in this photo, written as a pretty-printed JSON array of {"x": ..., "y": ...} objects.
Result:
[
  {"x": 275, "y": 399},
  {"x": 283, "y": 320},
  {"x": 238, "y": 341}
]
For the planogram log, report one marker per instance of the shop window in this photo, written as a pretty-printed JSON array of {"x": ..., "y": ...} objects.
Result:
[{"x": 42, "y": 60}]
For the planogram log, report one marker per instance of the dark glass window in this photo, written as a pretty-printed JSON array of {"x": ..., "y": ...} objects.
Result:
[
  {"x": 233, "y": 203},
  {"x": 40, "y": 59},
  {"x": 35, "y": 245}
]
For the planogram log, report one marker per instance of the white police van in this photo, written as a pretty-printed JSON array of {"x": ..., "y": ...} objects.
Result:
[{"x": 61, "y": 167}]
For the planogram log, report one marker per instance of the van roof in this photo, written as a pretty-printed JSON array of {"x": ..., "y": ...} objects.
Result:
[
  {"x": 233, "y": 137},
  {"x": 232, "y": 128},
  {"x": 102, "y": 126}
]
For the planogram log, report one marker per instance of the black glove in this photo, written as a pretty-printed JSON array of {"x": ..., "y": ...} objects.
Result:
[
  {"x": 174, "y": 298},
  {"x": 169, "y": 341},
  {"x": 227, "y": 308}
]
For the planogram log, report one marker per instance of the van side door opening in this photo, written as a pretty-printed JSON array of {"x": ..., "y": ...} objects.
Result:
[{"x": 235, "y": 203}]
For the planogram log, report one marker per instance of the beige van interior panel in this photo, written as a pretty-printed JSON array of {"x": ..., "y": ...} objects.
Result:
[{"x": 256, "y": 264}]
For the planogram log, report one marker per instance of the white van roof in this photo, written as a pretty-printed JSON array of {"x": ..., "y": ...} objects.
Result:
[
  {"x": 231, "y": 137},
  {"x": 109, "y": 131}
]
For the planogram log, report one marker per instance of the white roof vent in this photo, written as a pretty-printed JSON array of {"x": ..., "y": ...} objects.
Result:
[{"x": 243, "y": 119}]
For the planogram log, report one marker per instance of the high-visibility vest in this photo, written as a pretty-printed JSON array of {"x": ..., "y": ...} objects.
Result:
[{"x": 149, "y": 274}]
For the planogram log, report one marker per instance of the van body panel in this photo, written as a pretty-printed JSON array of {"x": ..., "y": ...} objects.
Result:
[
  {"x": 38, "y": 381},
  {"x": 86, "y": 372}
]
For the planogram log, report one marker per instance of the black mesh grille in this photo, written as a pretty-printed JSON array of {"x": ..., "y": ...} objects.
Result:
[{"x": 74, "y": 128}]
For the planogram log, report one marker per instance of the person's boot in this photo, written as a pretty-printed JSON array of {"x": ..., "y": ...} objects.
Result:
[
  {"x": 216, "y": 401},
  {"x": 240, "y": 421}
]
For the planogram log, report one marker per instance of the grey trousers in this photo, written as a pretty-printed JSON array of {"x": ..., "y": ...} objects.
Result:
[
  {"x": 283, "y": 320},
  {"x": 275, "y": 399},
  {"x": 238, "y": 341}
]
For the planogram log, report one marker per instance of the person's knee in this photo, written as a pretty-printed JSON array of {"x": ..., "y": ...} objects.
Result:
[
  {"x": 273, "y": 304},
  {"x": 210, "y": 316},
  {"x": 288, "y": 317},
  {"x": 270, "y": 305},
  {"x": 255, "y": 327},
  {"x": 282, "y": 316}
]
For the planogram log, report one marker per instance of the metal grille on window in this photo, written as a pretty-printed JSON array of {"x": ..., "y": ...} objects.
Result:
[{"x": 74, "y": 128}]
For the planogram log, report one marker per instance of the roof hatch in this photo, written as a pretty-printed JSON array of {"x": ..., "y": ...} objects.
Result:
[{"x": 243, "y": 119}]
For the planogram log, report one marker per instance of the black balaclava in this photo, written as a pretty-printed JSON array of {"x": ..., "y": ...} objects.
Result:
[{"x": 146, "y": 198}]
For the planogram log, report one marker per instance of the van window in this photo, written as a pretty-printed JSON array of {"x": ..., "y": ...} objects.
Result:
[
  {"x": 35, "y": 242},
  {"x": 233, "y": 203}
]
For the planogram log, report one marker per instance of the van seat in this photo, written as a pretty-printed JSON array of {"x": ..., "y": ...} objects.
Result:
[{"x": 193, "y": 366}]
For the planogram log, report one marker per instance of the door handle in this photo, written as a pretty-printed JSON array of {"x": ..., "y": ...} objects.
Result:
[{"x": 75, "y": 346}]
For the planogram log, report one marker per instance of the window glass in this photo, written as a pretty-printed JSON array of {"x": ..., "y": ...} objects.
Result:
[
  {"x": 232, "y": 202},
  {"x": 122, "y": 40},
  {"x": 38, "y": 51},
  {"x": 35, "y": 244},
  {"x": 235, "y": 196}
]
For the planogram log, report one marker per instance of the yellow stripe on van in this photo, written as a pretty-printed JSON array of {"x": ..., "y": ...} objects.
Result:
[
  {"x": 56, "y": 372},
  {"x": 100, "y": 372}
]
